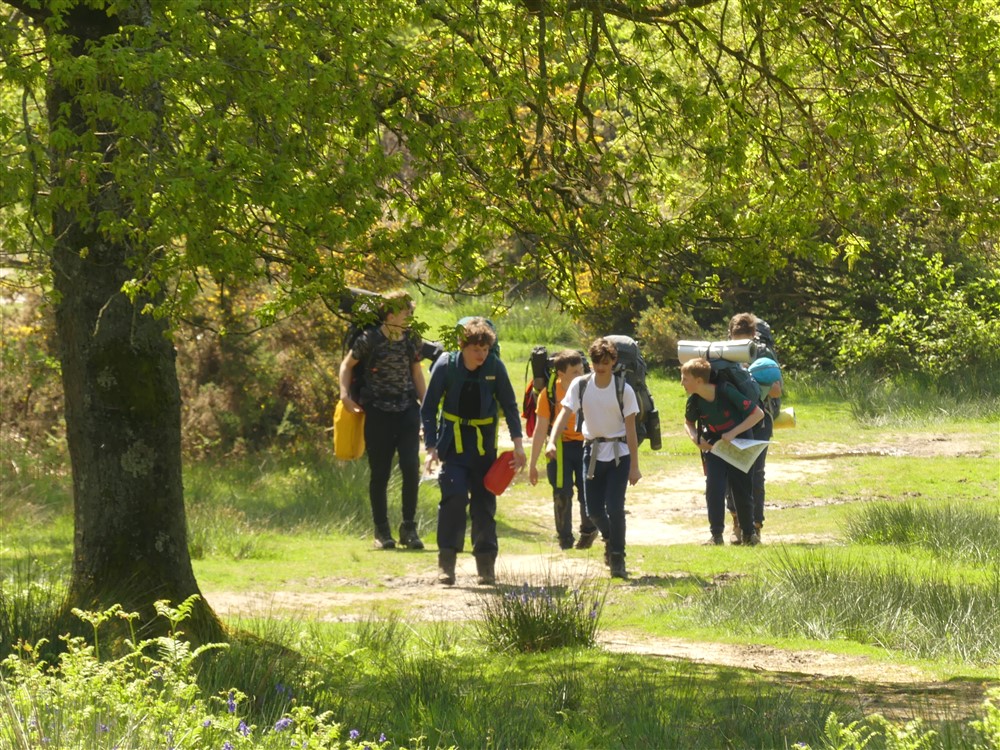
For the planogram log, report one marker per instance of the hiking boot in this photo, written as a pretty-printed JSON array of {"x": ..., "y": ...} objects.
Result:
[
  {"x": 484, "y": 570},
  {"x": 759, "y": 530},
  {"x": 715, "y": 540},
  {"x": 617, "y": 565},
  {"x": 586, "y": 540},
  {"x": 737, "y": 537},
  {"x": 408, "y": 535},
  {"x": 446, "y": 566},
  {"x": 566, "y": 543},
  {"x": 752, "y": 539},
  {"x": 383, "y": 538}
]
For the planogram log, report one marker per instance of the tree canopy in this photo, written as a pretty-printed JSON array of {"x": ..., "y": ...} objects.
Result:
[{"x": 599, "y": 147}]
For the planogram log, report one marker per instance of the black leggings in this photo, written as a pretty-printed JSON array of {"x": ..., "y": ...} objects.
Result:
[{"x": 386, "y": 433}]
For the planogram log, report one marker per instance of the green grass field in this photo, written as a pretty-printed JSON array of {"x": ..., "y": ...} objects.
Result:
[{"x": 881, "y": 549}]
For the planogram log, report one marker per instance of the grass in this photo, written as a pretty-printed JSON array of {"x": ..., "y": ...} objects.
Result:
[{"x": 299, "y": 522}]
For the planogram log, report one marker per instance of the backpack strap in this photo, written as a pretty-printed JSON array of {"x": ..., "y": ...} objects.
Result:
[{"x": 456, "y": 380}]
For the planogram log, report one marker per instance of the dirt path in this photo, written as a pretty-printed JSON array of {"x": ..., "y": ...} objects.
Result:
[{"x": 662, "y": 511}]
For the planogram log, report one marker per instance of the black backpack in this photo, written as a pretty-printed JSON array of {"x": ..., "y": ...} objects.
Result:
[
  {"x": 724, "y": 371},
  {"x": 630, "y": 367}
]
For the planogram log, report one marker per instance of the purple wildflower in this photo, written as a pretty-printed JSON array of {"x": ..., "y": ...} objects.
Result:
[
  {"x": 231, "y": 702},
  {"x": 244, "y": 729},
  {"x": 282, "y": 724},
  {"x": 355, "y": 734}
]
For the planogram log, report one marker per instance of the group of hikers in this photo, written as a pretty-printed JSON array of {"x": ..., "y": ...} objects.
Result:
[{"x": 588, "y": 433}]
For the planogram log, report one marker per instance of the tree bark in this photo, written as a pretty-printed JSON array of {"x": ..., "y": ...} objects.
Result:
[{"x": 122, "y": 398}]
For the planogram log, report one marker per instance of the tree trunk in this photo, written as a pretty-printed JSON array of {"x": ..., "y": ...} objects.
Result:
[{"x": 122, "y": 398}]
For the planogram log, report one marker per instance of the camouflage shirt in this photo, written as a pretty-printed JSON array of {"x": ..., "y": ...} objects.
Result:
[{"x": 385, "y": 369}]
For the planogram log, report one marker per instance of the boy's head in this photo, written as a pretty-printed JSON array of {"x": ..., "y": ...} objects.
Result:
[
  {"x": 743, "y": 326},
  {"x": 698, "y": 368},
  {"x": 396, "y": 301},
  {"x": 602, "y": 351},
  {"x": 477, "y": 332},
  {"x": 566, "y": 359}
]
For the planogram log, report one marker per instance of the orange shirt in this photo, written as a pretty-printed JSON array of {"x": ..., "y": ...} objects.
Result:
[{"x": 543, "y": 410}]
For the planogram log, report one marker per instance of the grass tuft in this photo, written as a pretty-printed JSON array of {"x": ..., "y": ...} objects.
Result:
[
  {"x": 542, "y": 616},
  {"x": 813, "y": 596},
  {"x": 950, "y": 531}
]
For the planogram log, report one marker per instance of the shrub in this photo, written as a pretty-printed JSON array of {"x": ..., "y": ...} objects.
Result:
[
  {"x": 541, "y": 617},
  {"x": 660, "y": 329}
]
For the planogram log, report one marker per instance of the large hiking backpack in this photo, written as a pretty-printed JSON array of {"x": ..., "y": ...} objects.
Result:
[
  {"x": 543, "y": 378},
  {"x": 363, "y": 309},
  {"x": 766, "y": 337},
  {"x": 630, "y": 367},
  {"x": 724, "y": 371}
]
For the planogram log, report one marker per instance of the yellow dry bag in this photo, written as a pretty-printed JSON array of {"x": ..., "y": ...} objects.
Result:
[{"x": 348, "y": 433}]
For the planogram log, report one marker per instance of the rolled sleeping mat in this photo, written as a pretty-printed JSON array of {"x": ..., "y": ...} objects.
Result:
[
  {"x": 785, "y": 418},
  {"x": 732, "y": 351}
]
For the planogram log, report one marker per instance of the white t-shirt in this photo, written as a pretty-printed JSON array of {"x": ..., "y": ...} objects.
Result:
[{"x": 602, "y": 416}]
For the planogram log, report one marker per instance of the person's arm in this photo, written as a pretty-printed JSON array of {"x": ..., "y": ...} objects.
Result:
[
  {"x": 508, "y": 402},
  {"x": 430, "y": 403},
  {"x": 551, "y": 447},
  {"x": 537, "y": 446},
  {"x": 347, "y": 366},
  {"x": 753, "y": 418},
  {"x": 419, "y": 384}
]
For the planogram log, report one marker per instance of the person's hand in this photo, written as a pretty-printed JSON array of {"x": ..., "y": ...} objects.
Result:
[
  {"x": 704, "y": 445},
  {"x": 550, "y": 449},
  {"x": 775, "y": 390},
  {"x": 520, "y": 460},
  {"x": 634, "y": 475},
  {"x": 352, "y": 406},
  {"x": 432, "y": 458},
  {"x": 729, "y": 436},
  {"x": 533, "y": 475}
]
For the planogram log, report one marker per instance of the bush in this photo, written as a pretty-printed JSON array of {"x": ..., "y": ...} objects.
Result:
[
  {"x": 541, "y": 617},
  {"x": 660, "y": 329}
]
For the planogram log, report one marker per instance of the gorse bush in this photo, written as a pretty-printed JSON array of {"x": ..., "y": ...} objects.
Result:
[
  {"x": 531, "y": 617},
  {"x": 964, "y": 532},
  {"x": 815, "y": 597}
]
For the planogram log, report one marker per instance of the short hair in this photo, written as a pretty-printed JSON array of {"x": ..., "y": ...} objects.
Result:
[
  {"x": 743, "y": 324},
  {"x": 396, "y": 301},
  {"x": 477, "y": 332},
  {"x": 699, "y": 367},
  {"x": 567, "y": 358},
  {"x": 603, "y": 349}
]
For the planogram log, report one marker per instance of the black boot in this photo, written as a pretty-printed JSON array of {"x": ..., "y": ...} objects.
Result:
[
  {"x": 484, "y": 569},
  {"x": 383, "y": 537},
  {"x": 408, "y": 535},
  {"x": 586, "y": 540},
  {"x": 617, "y": 565},
  {"x": 446, "y": 566}
]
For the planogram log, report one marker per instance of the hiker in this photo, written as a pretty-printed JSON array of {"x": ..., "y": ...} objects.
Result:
[
  {"x": 744, "y": 327},
  {"x": 468, "y": 386},
  {"x": 716, "y": 413},
  {"x": 565, "y": 471},
  {"x": 611, "y": 447},
  {"x": 393, "y": 384}
]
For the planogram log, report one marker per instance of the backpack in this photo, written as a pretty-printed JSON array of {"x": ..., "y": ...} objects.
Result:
[
  {"x": 363, "y": 309},
  {"x": 724, "y": 371},
  {"x": 543, "y": 376},
  {"x": 766, "y": 337},
  {"x": 630, "y": 367}
]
